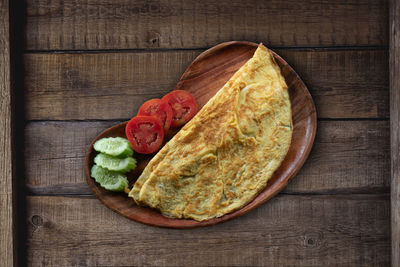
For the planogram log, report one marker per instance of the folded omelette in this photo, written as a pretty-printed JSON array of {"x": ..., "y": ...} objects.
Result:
[{"x": 220, "y": 160}]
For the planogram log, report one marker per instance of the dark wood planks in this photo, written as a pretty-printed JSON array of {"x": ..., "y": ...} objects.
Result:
[
  {"x": 344, "y": 84},
  {"x": 394, "y": 67},
  {"x": 124, "y": 24},
  {"x": 7, "y": 195},
  {"x": 348, "y": 156},
  {"x": 341, "y": 230},
  {"x": 98, "y": 86}
]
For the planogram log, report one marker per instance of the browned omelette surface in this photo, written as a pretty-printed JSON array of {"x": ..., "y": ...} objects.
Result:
[{"x": 222, "y": 158}]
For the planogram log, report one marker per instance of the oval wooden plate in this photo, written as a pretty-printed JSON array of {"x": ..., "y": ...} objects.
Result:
[{"x": 204, "y": 77}]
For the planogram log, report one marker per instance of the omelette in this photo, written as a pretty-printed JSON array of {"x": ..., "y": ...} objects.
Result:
[{"x": 223, "y": 158}]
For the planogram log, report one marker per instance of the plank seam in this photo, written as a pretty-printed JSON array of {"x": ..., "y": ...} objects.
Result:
[
  {"x": 146, "y": 50},
  {"x": 127, "y": 119}
]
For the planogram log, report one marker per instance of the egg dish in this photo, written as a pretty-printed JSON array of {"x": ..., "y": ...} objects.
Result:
[{"x": 223, "y": 158}]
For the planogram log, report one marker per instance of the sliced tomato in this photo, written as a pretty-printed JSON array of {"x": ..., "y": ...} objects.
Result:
[
  {"x": 183, "y": 105},
  {"x": 145, "y": 134},
  {"x": 160, "y": 109}
]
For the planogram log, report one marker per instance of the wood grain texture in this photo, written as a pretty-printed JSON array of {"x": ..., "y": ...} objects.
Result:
[
  {"x": 348, "y": 156},
  {"x": 7, "y": 203},
  {"x": 124, "y": 24},
  {"x": 394, "y": 69},
  {"x": 343, "y": 84},
  {"x": 350, "y": 230}
]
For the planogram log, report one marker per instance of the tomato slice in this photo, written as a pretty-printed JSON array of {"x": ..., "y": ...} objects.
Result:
[
  {"x": 145, "y": 134},
  {"x": 183, "y": 105},
  {"x": 160, "y": 109}
]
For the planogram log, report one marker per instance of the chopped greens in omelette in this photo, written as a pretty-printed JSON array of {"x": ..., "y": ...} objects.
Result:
[{"x": 220, "y": 160}]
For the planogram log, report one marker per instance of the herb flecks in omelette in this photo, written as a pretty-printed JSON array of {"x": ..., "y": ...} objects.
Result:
[{"x": 220, "y": 160}]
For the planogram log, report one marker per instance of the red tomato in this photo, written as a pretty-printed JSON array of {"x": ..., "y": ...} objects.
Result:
[
  {"x": 145, "y": 134},
  {"x": 183, "y": 105},
  {"x": 160, "y": 109}
]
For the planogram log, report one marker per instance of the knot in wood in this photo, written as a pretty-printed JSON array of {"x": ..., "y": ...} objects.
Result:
[
  {"x": 153, "y": 39},
  {"x": 312, "y": 239},
  {"x": 37, "y": 220}
]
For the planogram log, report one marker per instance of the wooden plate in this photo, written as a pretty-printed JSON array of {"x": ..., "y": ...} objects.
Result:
[{"x": 204, "y": 77}]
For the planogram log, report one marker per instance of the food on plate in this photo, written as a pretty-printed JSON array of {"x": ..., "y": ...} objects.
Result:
[
  {"x": 160, "y": 109},
  {"x": 114, "y": 146},
  {"x": 110, "y": 180},
  {"x": 183, "y": 105},
  {"x": 112, "y": 163},
  {"x": 115, "y": 159},
  {"x": 220, "y": 160},
  {"x": 145, "y": 134},
  {"x": 173, "y": 110}
]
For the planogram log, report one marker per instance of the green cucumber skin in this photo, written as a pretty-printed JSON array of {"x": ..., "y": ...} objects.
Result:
[
  {"x": 121, "y": 149},
  {"x": 119, "y": 186},
  {"x": 115, "y": 164},
  {"x": 109, "y": 180}
]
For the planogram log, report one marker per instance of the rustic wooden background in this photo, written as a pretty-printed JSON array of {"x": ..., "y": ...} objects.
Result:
[
  {"x": 7, "y": 175},
  {"x": 394, "y": 69},
  {"x": 86, "y": 65}
]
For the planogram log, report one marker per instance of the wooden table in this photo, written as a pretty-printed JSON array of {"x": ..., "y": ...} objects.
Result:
[{"x": 72, "y": 68}]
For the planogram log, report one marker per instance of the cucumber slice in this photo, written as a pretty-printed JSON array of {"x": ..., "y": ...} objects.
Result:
[
  {"x": 115, "y": 164},
  {"x": 117, "y": 187},
  {"x": 114, "y": 146},
  {"x": 113, "y": 181}
]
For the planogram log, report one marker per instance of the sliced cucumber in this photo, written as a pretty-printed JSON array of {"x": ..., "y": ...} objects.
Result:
[
  {"x": 115, "y": 164},
  {"x": 119, "y": 186},
  {"x": 114, "y": 146},
  {"x": 113, "y": 181}
]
